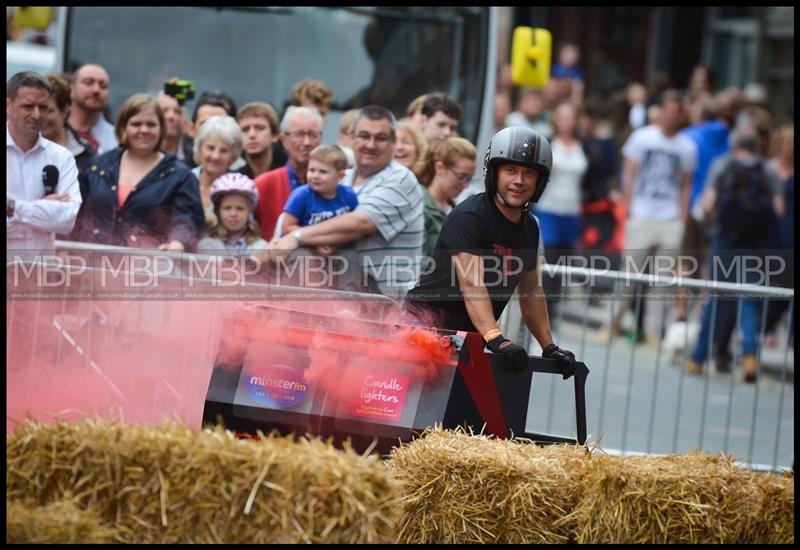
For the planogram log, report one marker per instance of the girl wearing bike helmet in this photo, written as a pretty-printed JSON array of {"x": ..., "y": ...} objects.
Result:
[{"x": 234, "y": 197}]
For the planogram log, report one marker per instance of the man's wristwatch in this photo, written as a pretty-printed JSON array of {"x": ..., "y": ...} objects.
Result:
[
  {"x": 10, "y": 204},
  {"x": 298, "y": 237}
]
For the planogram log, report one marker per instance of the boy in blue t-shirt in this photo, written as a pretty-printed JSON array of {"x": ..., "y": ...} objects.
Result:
[{"x": 323, "y": 197}]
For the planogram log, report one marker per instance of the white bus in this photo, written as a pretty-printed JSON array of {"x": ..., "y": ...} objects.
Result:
[{"x": 382, "y": 55}]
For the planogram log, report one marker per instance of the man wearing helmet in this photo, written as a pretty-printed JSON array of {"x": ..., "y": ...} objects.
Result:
[{"x": 488, "y": 247}]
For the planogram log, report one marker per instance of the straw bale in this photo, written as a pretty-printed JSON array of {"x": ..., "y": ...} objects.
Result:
[
  {"x": 692, "y": 498},
  {"x": 172, "y": 484},
  {"x": 774, "y": 521},
  {"x": 58, "y": 522},
  {"x": 460, "y": 488}
]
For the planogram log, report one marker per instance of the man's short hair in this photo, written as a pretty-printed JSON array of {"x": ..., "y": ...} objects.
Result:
[
  {"x": 746, "y": 137},
  {"x": 671, "y": 95},
  {"x": 440, "y": 101},
  {"x": 260, "y": 109},
  {"x": 706, "y": 107},
  {"x": 218, "y": 99},
  {"x": 376, "y": 112},
  {"x": 525, "y": 91},
  {"x": 61, "y": 91},
  {"x": 330, "y": 154},
  {"x": 76, "y": 73},
  {"x": 293, "y": 111},
  {"x": 26, "y": 79},
  {"x": 314, "y": 90},
  {"x": 132, "y": 107}
]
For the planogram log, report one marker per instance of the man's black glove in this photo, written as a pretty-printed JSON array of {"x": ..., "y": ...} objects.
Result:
[
  {"x": 566, "y": 358},
  {"x": 516, "y": 356}
]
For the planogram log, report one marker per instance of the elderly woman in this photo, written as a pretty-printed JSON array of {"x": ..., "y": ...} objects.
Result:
[
  {"x": 409, "y": 144},
  {"x": 216, "y": 147},
  {"x": 136, "y": 195}
]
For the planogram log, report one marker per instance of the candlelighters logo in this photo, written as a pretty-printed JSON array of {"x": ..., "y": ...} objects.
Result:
[
  {"x": 276, "y": 385},
  {"x": 381, "y": 397}
]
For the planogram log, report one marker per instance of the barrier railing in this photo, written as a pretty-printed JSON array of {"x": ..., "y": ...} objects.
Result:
[{"x": 638, "y": 404}]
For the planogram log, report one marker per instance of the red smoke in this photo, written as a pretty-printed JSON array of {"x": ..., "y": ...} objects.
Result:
[
  {"x": 139, "y": 361},
  {"x": 144, "y": 361}
]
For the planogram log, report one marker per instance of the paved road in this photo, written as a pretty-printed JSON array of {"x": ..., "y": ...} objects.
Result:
[{"x": 637, "y": 400}]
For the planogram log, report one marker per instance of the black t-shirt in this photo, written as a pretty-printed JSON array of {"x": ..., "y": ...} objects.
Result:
[
  {"x": 246, "y": 170},
  {"x": 477, "y": 226}
]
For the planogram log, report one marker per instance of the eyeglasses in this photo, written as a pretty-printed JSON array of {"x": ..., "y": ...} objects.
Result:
[
  {"x": 380, "y": 139},
  {"x": 300, "y": 136},
  {"x": 462, "y": 178}
]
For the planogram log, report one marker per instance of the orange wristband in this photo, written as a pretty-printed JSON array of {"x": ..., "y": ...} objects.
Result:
[{"x": 494, "y": 333}]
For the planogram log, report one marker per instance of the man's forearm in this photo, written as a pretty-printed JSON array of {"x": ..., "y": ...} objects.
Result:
[
  {"x": 534, "y": 313},
  {"x": 337, "y": 231},
  {"x": 628, "y": 179},
  {"x": 686, "y": 192},
  {"x": 479, "y": 308},
  {"x": 48, "y": 215}
]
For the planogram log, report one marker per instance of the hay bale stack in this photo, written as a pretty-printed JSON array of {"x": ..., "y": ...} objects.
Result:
[
  {"x": 460, "y": 488},
  {"x": 58, "y": 522},
  {"x": 692, "y": 498},
  {"x": 170, "y": 484},
  {"x": 774, "y": 521}
]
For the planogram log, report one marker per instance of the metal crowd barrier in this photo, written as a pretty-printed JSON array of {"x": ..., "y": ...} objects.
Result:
[
  {"x": 143, "y": 351},
  {"x": 641, "y": 400}
]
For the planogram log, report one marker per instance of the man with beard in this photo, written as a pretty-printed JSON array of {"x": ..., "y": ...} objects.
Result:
[{"x": 89, "y": 99}]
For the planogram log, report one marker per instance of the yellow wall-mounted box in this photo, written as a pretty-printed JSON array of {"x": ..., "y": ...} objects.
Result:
[{"x": 531, "y": 52}]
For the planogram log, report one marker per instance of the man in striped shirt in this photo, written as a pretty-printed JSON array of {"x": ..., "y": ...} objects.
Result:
[{"x": 387, "y": 227}]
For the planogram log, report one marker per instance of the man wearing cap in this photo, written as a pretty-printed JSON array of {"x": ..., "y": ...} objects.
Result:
[
  {"x": 755, "y": 113},
  {"x": 488, "y": 247}
]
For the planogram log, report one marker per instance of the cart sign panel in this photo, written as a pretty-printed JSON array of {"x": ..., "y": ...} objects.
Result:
[
  {"x": 275, "y": 385},
  {"x": 381, "y": 397}
]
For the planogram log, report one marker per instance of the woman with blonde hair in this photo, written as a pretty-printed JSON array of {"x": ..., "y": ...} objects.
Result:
[
  {"x": 444, "y": 172},
  {"x": 559, "y": 209},
  {"x": 409, "y": 145}
]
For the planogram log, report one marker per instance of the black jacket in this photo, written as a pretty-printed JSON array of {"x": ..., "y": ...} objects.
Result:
[{"x": 165, "y": 205}]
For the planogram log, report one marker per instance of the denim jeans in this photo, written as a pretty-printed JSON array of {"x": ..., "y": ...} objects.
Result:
[{"x": 726, "y": 266}]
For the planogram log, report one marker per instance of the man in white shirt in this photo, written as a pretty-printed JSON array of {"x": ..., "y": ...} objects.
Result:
[
  {"x": 33, "y": 217},
  {"x": 659, "y": 163},
  {"x": 89, "y": 98}
]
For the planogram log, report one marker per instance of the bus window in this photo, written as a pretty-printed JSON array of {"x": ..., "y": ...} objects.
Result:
[{"x": 365, "y": 55}]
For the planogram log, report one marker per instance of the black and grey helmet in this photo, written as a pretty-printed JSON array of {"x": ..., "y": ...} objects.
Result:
[{"x": 520, "y": 145}]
